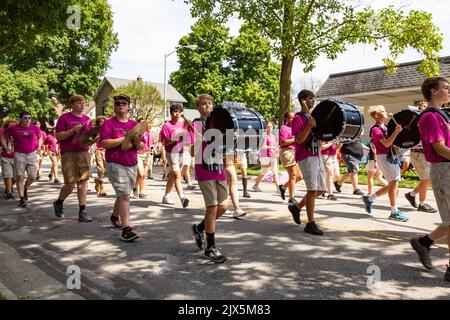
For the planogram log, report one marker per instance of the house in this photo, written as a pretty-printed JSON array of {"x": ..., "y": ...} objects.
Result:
[
  {"x": 109, "y": 84},
  {"x": 368, "y": 87}
]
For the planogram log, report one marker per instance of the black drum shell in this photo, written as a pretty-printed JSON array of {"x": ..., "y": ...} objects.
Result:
[
  {"x": 409, "y": 120},
  {"x": 337, "y": 120}
]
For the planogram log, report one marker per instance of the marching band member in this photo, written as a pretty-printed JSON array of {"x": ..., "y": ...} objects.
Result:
[{"x": 7, "y": 159}]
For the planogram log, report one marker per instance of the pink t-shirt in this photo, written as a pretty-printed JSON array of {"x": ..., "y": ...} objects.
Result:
[
  {"x": 68, "y": 121},
  {"x": 98, "y": 145},
  {"x": 433, "y": 128},
  {"x": 270, "y": 141},
  {"x": 4, "y": 154},
  {"x": 285, "y": 134},
  {"x": 331, "y": 151},
  {"x": 298, "y": 125},
  {"x": 51, "y": 142},
  {"x": 24, "y": 138},
  {"x": 172, "y": 130},
  {"x": 377, "y": 136},
  {"x": 149, "y": 142},
  {"x": 113, "y": 129},
  {"x": 43, "y": 136}
]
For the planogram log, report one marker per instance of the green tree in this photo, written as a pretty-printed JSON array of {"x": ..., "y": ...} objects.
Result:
[
  {"x": 306, "y": 29},
  {"x": 146, "y": 101},
  {"x": 65, "y": 60}
]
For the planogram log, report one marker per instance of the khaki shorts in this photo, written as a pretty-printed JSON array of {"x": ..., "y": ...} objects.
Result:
[
  {"x": 122, "y": 178},
  {"x": 100, "y": 163},
  {"x": 313, "y": 173},
  {"x": 8, "y": 168},
  {"x": 175, "y": 161},
  {"x": 440, "y": 181},
  {"x": 331, "y": 164},
  {"x": 269, "y": 163},
  {"x": 214, "y": 192},
  {"x": 187, "y": 158},
  {"x": 287, "y": 157},
  {"x": 238, "y": 160},
  {"x": 144, "y": 159},
  {"x": 391, "y": 171},
  {"x": 421, "y": 165},
  {"x": 76, "y": 166},
  {"x": 25, "y": 162}
]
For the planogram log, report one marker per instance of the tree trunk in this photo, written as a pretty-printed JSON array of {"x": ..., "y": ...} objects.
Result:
[{"x": 285, "y": 86}]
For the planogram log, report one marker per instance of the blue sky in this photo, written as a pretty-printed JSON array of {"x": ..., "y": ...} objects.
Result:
[{"x": 148, "y": 29}]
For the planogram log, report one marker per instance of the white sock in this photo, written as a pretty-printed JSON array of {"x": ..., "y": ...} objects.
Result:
[
  {"x": 373, "y": 197},
  {"x": 422, "y": 203},
  {"x": 182, "y": 197},
  {"x": 167, "y": 194},
  {"x": 413, "y": 193},
  {"x": 394, "y": 208}
]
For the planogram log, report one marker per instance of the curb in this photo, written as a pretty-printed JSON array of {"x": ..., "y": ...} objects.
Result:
[{"x": 6, "y": 293}]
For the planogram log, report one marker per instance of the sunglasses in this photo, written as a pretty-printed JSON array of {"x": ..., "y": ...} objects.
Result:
[{"x": 121, "y": 103}]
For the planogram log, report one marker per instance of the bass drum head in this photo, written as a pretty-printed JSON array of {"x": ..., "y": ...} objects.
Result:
[
  {"x": 220, "y": 118},
  {"x": 410, "y": 136}
]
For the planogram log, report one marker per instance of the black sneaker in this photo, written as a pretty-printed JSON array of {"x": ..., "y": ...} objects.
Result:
[
  {"x": 295, "y": 212},
  {"x": 282, "y": 192},
  {"x": 50, "y": 177},
  {"x": 23, "y": 203},
  {"x": 38, "y": 177},
  {"x": 9, "y": 196},
  {"x": 59, "y": 210},
  {"x": 358, "y": 192},
  {"x": 332, "y": 197},
  {"x": 164, "y": 177},
  {"x": 185, "y": 202},
  {"x": 214, "y": 255},
  {"x": 292, "y": 200},
  {"x": 150, "y": 178},
  {"x": 128, "y": 234},
  {"x": 411, "y": 199},
  {"x": 84, "y": 217},
  {"x": 25, "y": 194},
  {"x": 247, "y": 195},
  {"x": 199, "y": 239},
  {"x": 337, "y": 186},
  {"x": 447, "y": 274},
  {"x": 313, "y": 228},
  {"x": 115, "y": 222},
  {"x": 426, "y": 208},
  {"x": 56, "y": 181},
  {"x": 423, "y": 252}
]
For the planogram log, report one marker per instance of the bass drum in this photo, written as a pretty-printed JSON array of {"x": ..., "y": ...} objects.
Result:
[
  {"x": 409, "y": 120},
  {"x": 337, "y": 120},
  {"x": 249, "y": 125}
]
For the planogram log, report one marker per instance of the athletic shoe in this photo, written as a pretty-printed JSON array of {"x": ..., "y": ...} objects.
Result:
[
  {"x": 313, "y": 228},
  {"x": 447, "y": 274},
  {"x": 426, "y": 208},
  {"x": 199, "y": 238},
  {"x": 228, "y": 213},
  {"x": 282, "y": 192},
  {"x": 56, "y": 181},
  {"x": 9, "y": 196},
  {"x": 337, "y": 186},
  {"x": 38, "y": 177},
  {"x": 128, "y": 234},
  {"x": 166, "y": 200},
  {"x": 358, "y": 192},
  {"x": 411, "y": 199},
  {"x": 292, "y": 200},
  {"x": 59, "y": 210},
  {"x": 423, "y": 252},
  {"x": 214, "y": 255},
  {"x": 164, "y": 177},
  {"x": 135, "y": 194},
  {"x": 143, "y": 196},
  {"x": 150, "y": 178},
  {"x": 239, "y": 213},
  {"x": 398, "y": 216},
  {"x": 247, "y": 195},
  {"x": 295, "y": 212},
  {"x": 332, "y": 197},
  {"x": 115, "y": 222},
  {"x": 84, "y": 217},
  {"x": 184, "y": 202},
  {"x": 256, "y": 189},
  {"x": 368, "y": 204},
  {"x": 190, "y": 187},
  {"x": 23, "y": 203}
]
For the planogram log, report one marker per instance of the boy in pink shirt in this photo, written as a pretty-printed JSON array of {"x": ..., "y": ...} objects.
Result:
[
  {"x": 26, "y": 140},
  {"x": 100, "y": 162},
  {"x": 434, "y": 129},
  {"x": 75, "y": 159},
  {"x": 52, "y": 149},
  {"x": 7, "y": 159}
]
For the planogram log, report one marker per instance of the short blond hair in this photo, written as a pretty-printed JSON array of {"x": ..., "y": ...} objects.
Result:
[
  {"x": 75, "y": 98},
  {"x": 202, "y": 98},
  {"x": 374, "y": 110}
]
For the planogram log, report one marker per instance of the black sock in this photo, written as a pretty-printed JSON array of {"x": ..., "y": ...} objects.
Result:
[
  {"x": 426, "y": 241},
  {"x": 82, "y": 208},
  {"x": 210, "y": 242},
  {"x": 59, "y": 202},
  {"x": 22, "y": 199},
  {"x": 201, "y": 226},
  {"x": 244, "y": 184}
]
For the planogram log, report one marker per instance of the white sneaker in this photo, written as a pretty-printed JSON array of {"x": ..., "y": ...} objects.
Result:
[
  {"x": 135, "y": 194},
  {"x": 256, "y": 189},
  {"x": 166, "y": 200},
  {"x": 239, "y": 213},
  {"x": 89, "y": 186},
  {"x": 228, "y": 213}
]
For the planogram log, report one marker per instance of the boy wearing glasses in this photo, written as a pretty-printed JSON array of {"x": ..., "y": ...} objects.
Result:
[
  {"x": 75, "y": 160},
  {"x": 26, "y": 141}
]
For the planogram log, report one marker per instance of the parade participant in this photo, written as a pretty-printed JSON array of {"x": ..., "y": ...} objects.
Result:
[
  {"x": 52, "y": 150},
  {"x": 373, "y": 170},
  {"x": 268, "y": 158},
  {"x": 26, "y": 141},
  {"x": 174, "y": 135},
  {"x": 231, "y": 164},
  {"x": 287, "y": 157},
  {"x": 75, "y": 160},
  {"x": 121, "y": 165},
  {"x": 100, "y": 162},
  {"x": 352, "y": 153},
  {"x": 434, "y": 129},
  {"x": 7, "y": 159},
  {"x": 422, "y": 167},
  {"x": 186, "y": 170},
  {"x": 329, "y": 150},
  {"x": 143, "y": 164},
  {"x": 151, "y": 155},
  {"x": 387, "y": 162},
  {"x": 310, "y": 162},
  {"x": 40, "y": 153},
  {"x": 212, "y": 184}
]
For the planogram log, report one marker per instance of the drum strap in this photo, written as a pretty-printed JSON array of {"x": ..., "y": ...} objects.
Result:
[
  {"x": 441, "y": 112},
  {"x": 392, "y": 156},
  {"x": 311, "y": 144},
  {"x": 213, "y": 165}
]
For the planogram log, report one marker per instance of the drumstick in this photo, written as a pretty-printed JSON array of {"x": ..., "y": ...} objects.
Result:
[
  {"x": 305, "y": 107},
  {"x": 393, "y": 118}
]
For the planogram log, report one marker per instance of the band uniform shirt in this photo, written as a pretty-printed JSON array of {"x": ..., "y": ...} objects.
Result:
[{"x": 433, "y": 128}]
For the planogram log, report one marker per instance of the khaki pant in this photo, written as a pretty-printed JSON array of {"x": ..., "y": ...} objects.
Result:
[
  {"x": 76, "y": 166},
  {"x": 100, "y": 163}
]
